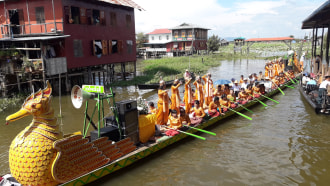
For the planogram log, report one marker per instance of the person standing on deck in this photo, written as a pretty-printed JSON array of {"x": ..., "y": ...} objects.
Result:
[
  {"x": 323, "y": 90},
  {"x": 175, "y": 96},
  {"x": 241, "y": 80},
  {"x": 199, "y": 94},
  {"x": 163, "y": 109},
  {"x": 188, "y": 96},
  {"x": 208, "y": 88}
]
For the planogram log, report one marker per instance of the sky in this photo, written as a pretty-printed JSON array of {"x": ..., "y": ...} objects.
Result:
[{"x": 228, "y": 18}]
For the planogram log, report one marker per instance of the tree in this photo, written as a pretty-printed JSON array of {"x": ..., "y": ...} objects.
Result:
[
  {"x": 213, "y": 43},
  {"x": 292, "y": 36},
  {"x": 140, "y": 39}
]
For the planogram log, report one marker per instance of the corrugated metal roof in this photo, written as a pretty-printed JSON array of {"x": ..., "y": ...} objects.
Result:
[
  {"x": 34, "y": 38},
  {"x": 270, "y": 39},
  {"x": 128, "y": 3},
  {"x": 160, "y": 31},
  {"x": 319, "y": 18},
  {"x": 188, "y": 26}
]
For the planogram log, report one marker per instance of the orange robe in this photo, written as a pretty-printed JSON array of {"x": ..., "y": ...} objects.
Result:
[
  {"x": 213, "y": 106},
  {"x": 175, "y": 98},
  {"x": 249, "y": 92},
  {"x": 266, "y": 71},
  {"x": 232, "y": 98},
  {"x": 163, "y": 109},
  {"x": 218, "y": 93},
  {"x": 243, "y": 96},
  {"x": 241, "y": 81},
  {"x": 199, "y": 112},
  {"x": 188, "y": 97},
  {"x": 276, "y": 69},
  {"x": 256, "y": 90},
  {"x": 208, "y": 88},
  {"x": 152, "y": 110},
  {"x": 175, "y": 122},
  {"x": 225, "y": 103},
  {"x": 199, "y": 95}
]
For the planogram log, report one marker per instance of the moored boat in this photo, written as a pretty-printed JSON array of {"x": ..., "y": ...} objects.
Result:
[{"x": 161, "y": 143}]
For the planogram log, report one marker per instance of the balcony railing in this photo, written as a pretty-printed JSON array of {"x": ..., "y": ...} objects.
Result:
[{"x": 11, "y": 30}]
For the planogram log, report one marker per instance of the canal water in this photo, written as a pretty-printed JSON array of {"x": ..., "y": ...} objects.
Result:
[{"x": 284, "y": 144}]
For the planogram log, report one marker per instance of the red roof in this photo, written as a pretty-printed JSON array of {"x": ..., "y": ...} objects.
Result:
[
  {"x": 160, "y": 31},
  {"x": 270, "y": 39},
  {"x": 128, "y": 3}
]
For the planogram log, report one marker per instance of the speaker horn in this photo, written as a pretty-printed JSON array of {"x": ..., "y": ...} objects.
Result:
[{"x": 78, "y": 96}]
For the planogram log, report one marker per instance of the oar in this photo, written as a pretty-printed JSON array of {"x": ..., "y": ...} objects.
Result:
[
  {"x": 291, "y": 80},
  {"x": 279, "y": 89},
  {"x": 247, "y": 117},
  {"x": 288, "y": 86},
  {"x": 194, "y": 135},
  {"x": 208, "y": 132},
  {"x": 245, "y": 108},
  {"x": 269, "y": 98},
  {"x": 264, "y": 104}
]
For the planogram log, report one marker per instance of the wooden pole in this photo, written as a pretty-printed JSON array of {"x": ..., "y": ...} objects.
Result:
[
  {"x": 321, "y": 54},
  {"x": 312, "y": 52},
  {"x": 315, "y": 42},
  {"x": 327, "y": 48},
  {"x": 18, "y": 83}
]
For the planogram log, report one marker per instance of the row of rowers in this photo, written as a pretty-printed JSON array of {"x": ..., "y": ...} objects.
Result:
[{"x": 207, "y": 99}]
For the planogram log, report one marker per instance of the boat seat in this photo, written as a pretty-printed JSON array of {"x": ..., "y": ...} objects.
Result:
[{"x": 310, "y": 88}]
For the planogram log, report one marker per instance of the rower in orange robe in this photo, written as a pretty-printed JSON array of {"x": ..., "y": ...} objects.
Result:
[
  {"x": 188, "y": 96},
  {"x": 198, "y": 115},
  {"x": 214, "y": 106},
  {"x": 185, "y": 120},
  {"x": 199, "y": 94},
  {"x": 256, "y": 91},
  {"x": 174, "y": 120},
  {"x": 243, "y": 96},
  {"x": 218, "y": 92},
  {"x": 152, "y": 108},
  {"x": 163, "y": 109},
  {"x": 241, "y": 80},
  {"x": 249, "y": 91},
  {"x": 226, "y": 89},
  {"x": 225, "y": 103},
  {"x": 208, "y": 88},
  {"x": 175, "y": 96},
  {"x": 231, "y": 96}
]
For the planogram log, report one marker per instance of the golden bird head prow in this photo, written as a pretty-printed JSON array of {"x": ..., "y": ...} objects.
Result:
[{"x": 36, "y": 104}]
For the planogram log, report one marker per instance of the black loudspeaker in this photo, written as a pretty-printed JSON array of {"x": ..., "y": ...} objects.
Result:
[
  {"x": 128, "y": 119},
  {"x": 111, "y": 132}
]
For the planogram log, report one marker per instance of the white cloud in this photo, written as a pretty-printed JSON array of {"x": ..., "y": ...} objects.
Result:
[{"x": 243, "y": 18}]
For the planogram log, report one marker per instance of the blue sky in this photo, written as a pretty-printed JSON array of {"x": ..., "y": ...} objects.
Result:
[{"x": 229, "y": 18}]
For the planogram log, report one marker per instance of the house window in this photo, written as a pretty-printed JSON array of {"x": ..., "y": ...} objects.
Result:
[
  {"x": 167, "y": 37},
  {"x": 189, "y": 33},
  {"x": 97, "y": 48},
  {"x": 89, "y": 16},
  {"x": 160, "y": 37},
  {"x": 77, "y": 48},
  {"x": 113, "y": 19},
  {"x": 40, "y": 15},
  {"x": 114, "y": 44},
  {"x": 75, "y": 15},
  {"x": 129, "y": 46},
  {"x": 102, "y": 18},
  {"x": 83, "y": 18},
  {"x": 183, "y": 34},
  {"x": 128, "y": 20},
  {"x": 96, "y": 17},
  {"x": 152, "y": 37},
  {"x": 176, "y": 34}
]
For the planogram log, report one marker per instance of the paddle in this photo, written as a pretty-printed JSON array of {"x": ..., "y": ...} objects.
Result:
[
  {"x": 208, "y": 132},
  {"x": 279, "y": 89},
  {"x": 247, "y": 117},
  {"x": 269, "y": 98},
  {"x": 264, "y": 104},
  {"x": 288, "y": 86},
  {"x": 194, "y": 135},
  {"x": 244, "y": 108}
]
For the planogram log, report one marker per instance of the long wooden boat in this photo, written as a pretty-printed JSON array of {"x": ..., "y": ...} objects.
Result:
[
  {"x": 309, "y": 96},
  {"x": 142, "y": 152}
]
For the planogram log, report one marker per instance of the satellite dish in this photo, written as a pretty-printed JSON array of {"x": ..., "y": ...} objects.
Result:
[{"x": 78, "y": 96}]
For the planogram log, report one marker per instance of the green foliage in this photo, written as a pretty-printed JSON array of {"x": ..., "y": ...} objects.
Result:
[
  {"x": 213, "y": 43},
  {"x": 15, "y": 101},
  {"x": 140, "y": 39}
]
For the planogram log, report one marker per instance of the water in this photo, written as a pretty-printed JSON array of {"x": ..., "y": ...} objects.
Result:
[{"x": 284, "y": 144}]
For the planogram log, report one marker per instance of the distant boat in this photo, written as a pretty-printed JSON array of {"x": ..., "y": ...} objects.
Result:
[{"x": 156, "y": 85}]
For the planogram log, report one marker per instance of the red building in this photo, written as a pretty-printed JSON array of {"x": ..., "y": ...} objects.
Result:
[{"x": 87, "y": 40}]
